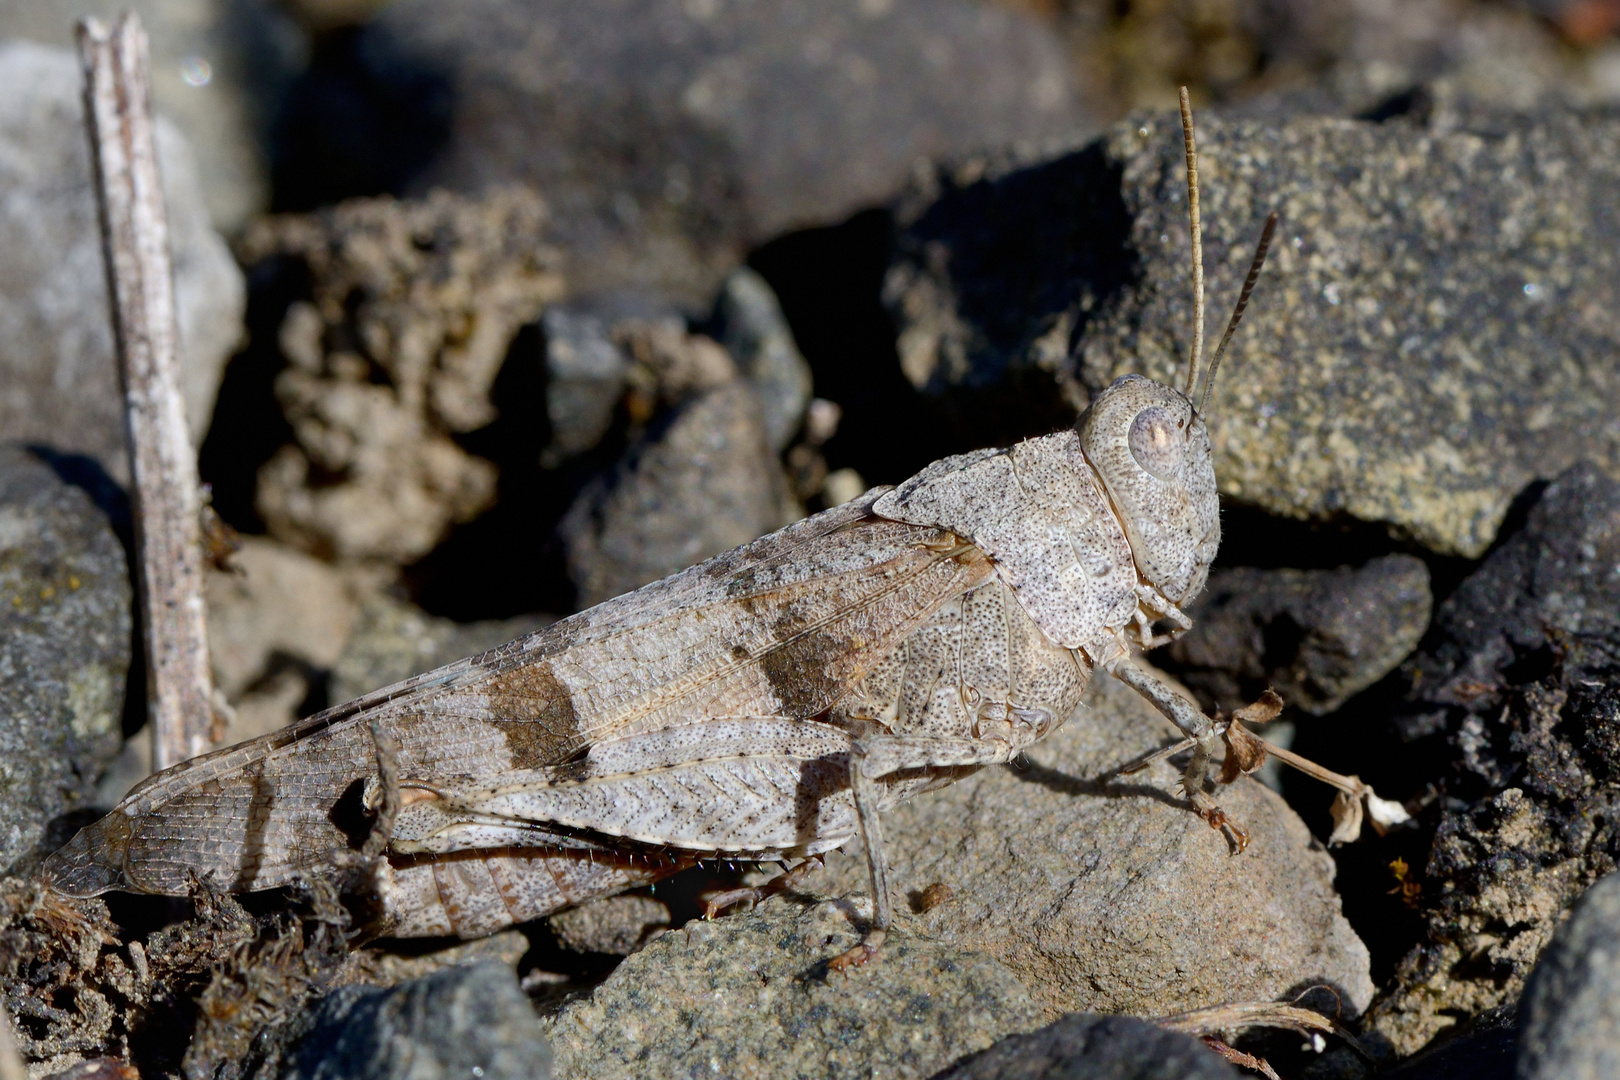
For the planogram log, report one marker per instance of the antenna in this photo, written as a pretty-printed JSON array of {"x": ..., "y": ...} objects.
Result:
[
  {"x": 1197, "y": 242},
  {"x": 1243, "y": 302}
]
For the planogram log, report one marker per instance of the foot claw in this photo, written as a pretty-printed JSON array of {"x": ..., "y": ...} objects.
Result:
[
  {"x": 1221, "y": 823},
  {"x": 860, "y": 954},
  {"x": 716, "y": 903}
]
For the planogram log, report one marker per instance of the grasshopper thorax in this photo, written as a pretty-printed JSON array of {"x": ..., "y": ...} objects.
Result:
[{"x": 1150, "y": 449}]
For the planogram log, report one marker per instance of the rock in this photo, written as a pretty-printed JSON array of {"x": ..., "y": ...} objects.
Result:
[
  {"x": 1483, "y": 1049},
  {"x": 463, "y": 1021},
  {"x": 756, "y": 334},
  {"x": 1515, "y": 695},
  {"x": 414, "y": 306},
  {"x": 1317, "y": 636},
  {"x": 585, "y": 373},
  {"x": 1082, "y": 1046},
  {"x": 617, "y": 925},
  {"x": 1115, "y": 897},
  {"x": 220, "y": 69},
  {"x": 375, "y": 966},
  {"x": 394, "y": 640},
  {"x": 277, "y": 606},
  {"x": 672, "y": 135},
  {"x": 700, "y": 481},
  {"x": 64, "y": 648},
  {"x": 1356, "y": 387},
  {"x": 58, "y": 380},
  {"x": 1569, "y": 1019},
  {"x": 748, "y": 995}
]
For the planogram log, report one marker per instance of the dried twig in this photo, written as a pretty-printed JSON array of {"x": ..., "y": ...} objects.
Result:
[
  {"x": 140, "y": 284},
  {"x": 1243, "y": 1015}
]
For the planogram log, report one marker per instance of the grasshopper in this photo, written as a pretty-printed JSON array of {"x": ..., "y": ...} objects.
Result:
[{"x": 768, "y": 704}]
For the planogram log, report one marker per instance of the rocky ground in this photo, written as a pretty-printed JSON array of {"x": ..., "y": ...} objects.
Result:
[{"x": 495, "y": 310}]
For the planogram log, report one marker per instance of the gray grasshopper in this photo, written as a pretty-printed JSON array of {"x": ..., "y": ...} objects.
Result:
[{"x": 768, "y": 704}]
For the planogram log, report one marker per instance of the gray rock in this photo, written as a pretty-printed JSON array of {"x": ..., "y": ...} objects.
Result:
[
  {"x": 669, "y": 135},
  {"x": 585, "y": 373},
  {"x": 1556, "y": 574},
  {"x": 1511, "y": 705},
  {"x": 1317, "y": 636},
  {"x": 1569, "y": 1017},
  {"x": 1082, "y": 1046},
  {"x": 1114, "y": 897},
  {"x": 394, "y": 640},
  {"x": 748, "y": 996},
  {"x": 616, "y": 925},
  {"x": 1358, "y": 385},
  {"x": 702, "y": 481},
  {"x": 64, "y": 648},
  {"x": 757, "y": 336},
  {"x": 464, "y": 1021},
  {"x": 58, "y": 380},
  {"x": 219, "y": 68}
]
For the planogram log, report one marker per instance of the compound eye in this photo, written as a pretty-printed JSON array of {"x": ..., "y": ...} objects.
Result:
[{"x": 1157, "y": 443}]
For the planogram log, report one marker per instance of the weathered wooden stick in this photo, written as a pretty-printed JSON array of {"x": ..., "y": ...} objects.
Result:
[{"x": 140, "y": 284}]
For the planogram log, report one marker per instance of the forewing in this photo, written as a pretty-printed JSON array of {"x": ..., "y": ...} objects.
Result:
[{"x": 779, "y": 627}]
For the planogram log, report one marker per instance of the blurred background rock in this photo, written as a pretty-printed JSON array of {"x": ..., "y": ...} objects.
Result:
[{"x": 495, "y": 309}]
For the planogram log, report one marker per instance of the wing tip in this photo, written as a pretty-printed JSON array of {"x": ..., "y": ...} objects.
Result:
[{"x": 89, "y": 864}]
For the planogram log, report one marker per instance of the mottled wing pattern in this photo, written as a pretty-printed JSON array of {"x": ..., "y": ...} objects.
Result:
[{"x": 779, "y": 627}]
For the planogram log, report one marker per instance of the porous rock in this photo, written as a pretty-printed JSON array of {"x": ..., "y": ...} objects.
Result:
[
  {"x": 413, "y": 308},
  {"x": 669, "y": 135},
  {"x": 464, "y": 1021},
  {"x": 1082, "y": 1046},
  {"x": 64, "y": 647},
  {"x": 1316, "y": 636},
  {"x": 394, "y": 640},
  {"x": 748, "y": 996},
  {"x": 1569, "y": 1020},
  {"x": 1431, "y": 334},
  {"x": 59, "y": 382},
  {"x": 1518, "y": 694},
  {"x": 1115, "y": 897},
  {"x": 702, "y": 478}
]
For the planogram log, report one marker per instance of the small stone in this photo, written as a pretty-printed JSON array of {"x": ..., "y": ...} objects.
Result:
[
  {"x": 1569, "y": 1017},
  {"x": 748, "y": 996},
  {"x": 63, "y": 659},
  {"x": 702, "y": 481},
  {"x": 465, "y": 1021},
  {"x": 1316, "y": 636},
  {"x": 616, "y": 925},
  {"x": 59, "y": 378},
  {"x": 756, "y": 334},
  {"x": 1113, "y": 896},
  {"x": 1082, "y": 1046},
  {"x": 585, "y": 373}
]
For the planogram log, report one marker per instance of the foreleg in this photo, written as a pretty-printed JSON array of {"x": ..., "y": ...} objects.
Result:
[{"x": 1201, "y": 733}]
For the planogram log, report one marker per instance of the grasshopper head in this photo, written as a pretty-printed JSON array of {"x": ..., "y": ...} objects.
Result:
[{"x": 1150, "y": 448}]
